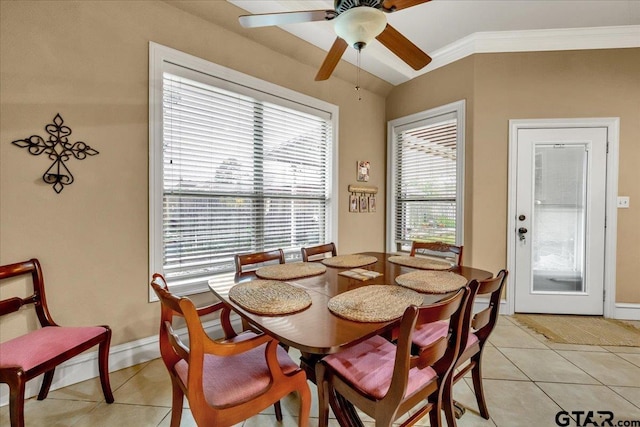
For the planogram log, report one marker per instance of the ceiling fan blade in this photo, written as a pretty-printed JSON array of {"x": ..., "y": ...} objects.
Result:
[
  {"x": 266, "y": 19},
  {"x": 403, "y": 48},
  {"x": 394, "y": 5},
  {"x": 332, "y": 59}
]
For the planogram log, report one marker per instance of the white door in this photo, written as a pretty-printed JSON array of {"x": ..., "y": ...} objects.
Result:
[{"x": 560, "y": 220}]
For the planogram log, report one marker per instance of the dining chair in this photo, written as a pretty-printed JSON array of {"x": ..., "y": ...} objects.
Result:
[
  {"x": 438, "y": 249},
  {"x": 42, "y": 350},
  {"x": 313, "y": 253},
  {"x": 254, "y": 261},
  {"x": 476, "y": 328},
  {"x": 385, "y": 380},
  {"x": 257, "y": 259},
  {"x": 225, "y": 381}
]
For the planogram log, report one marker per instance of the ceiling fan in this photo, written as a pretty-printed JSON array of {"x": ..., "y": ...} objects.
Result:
[{"x": 356, "y": 23}]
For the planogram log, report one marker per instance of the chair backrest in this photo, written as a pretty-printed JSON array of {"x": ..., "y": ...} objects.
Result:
[
  {"x": 439, "y": 249},
  {"x": 485, "y": 320},
  {"x": 441, "y": 354},
  {"x": 172, "y": 349},
  {"x": 256, "y": 259},
  {"x": 37, "y": 298},
  {"x": 171, "y": 343},
  {"x": 313, "y": 253}
]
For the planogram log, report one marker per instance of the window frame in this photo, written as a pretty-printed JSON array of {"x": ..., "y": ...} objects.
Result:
[
  {"x": 163, "y": 58},
  {"x": 458, "y": 109}
]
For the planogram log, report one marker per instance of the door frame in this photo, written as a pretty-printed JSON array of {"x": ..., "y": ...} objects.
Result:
[{"x": 611, "y": 214}]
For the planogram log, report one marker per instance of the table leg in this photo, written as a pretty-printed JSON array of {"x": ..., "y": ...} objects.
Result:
[
  {"x": 344, "y": 410},
  {"x": 308, "y": 364},
  {"x": 458, "y": 409}
]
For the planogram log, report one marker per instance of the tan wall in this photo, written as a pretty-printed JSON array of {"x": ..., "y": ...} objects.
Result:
[
  {"x": 595, "y": 83},
  {"x": 88, "y": 61}
]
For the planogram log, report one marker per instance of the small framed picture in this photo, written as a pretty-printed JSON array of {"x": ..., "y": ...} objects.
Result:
[
  {"x": 364, "y": 204},
  {"x": 363, "y": 170},
  {"x": 354, "y": 203},
  {"x": 372, "y": 203}
]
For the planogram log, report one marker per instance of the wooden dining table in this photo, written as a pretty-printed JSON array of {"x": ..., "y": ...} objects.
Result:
[{"x": 316, "y": 331}]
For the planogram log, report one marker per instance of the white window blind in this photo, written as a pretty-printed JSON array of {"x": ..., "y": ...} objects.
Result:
[
  {"x": 426, "y": 192},
  {"x": 239, "y": 175}
]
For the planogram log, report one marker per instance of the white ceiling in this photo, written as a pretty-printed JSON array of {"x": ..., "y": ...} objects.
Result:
[{"x": 451, "y": 29}]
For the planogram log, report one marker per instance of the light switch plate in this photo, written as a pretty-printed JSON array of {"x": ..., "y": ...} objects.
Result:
[{"x": 623, "y": 202}]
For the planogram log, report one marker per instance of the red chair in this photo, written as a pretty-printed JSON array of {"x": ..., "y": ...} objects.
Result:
[
  {"x": 476, "y": 330},
  {"x": 384, "y": 380},
  {"x": 225, "y": 381},
  {"x": 39, "y": 352},
  {"x": 313, "y": 253},
  {"x": 438, "y": 249}
]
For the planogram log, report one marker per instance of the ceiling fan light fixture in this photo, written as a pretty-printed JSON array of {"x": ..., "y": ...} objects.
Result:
[{"x": 359, "y": 25}]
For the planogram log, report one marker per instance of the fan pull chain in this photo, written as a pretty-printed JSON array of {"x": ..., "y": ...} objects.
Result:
[{"x": 358, "y": 77}]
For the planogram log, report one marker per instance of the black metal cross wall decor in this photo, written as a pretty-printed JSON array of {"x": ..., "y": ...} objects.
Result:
[{"x": 59, "y": 150}]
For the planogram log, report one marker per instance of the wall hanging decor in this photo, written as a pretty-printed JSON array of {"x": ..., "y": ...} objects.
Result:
[
  {"x": 59, "y": 149},
  {"x": 363, "y": 170},
  {"x": 362, "y": 198}
]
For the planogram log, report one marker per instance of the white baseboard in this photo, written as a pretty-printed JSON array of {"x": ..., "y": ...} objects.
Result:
[
  {"x": 626, "y": 311},
  {"x": 85, "y": 366}
]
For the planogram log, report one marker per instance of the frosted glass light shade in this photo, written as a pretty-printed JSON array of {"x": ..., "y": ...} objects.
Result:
[{"x": 360, "y": 25}]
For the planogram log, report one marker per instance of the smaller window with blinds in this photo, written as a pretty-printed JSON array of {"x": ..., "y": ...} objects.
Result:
[{"x": 426, "y": 181}]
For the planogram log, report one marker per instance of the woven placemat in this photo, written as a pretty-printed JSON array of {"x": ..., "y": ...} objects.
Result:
[
  {"x": 422, "y": 263},
  {"x": 374, "y": 303},
  {"x": 432, "y": 282},
  {"x": 349, "y": 261},
  {"x": 290, "y": 271},
  {"x": 269, "y": 297}
]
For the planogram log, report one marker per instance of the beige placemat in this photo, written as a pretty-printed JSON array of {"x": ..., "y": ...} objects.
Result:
[
  {"x": 269, "y": 297},
  {"x": 290, "y": 271},
  {"x": 349, "y": 261},
  {"x": 374, "y": 303},
  {"x": 419, "y": 262},
  {"x": 432, "y": 282},
  {"x": 587, "y": 330}
]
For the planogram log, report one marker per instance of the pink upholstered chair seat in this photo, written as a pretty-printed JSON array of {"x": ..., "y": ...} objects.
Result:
[
  {"x": 429, "y": 333},
  {"x": 42, "y": 345},
  {"x": 369, "y": 367},
  {"x": 230, "y": 380}
]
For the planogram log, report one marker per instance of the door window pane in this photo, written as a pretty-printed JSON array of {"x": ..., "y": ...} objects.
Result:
[{"x": 559, "y": 218}]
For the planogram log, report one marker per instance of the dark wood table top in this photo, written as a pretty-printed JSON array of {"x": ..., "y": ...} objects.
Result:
[{"x": 316, "y": 330}]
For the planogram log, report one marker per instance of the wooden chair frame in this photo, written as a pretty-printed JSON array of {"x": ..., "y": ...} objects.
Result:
[
  {"x": 437, "y": 247},
  {"x": 313, "y": 251},
  {"x": 441, "y": 356},
  {"x": 14, "y": 376},
  {"x": 173, "y": 350},
  {"x": 255, "y": 259},
  {"x": 242, "y": 260},
  {"x": 481, "y": 324}
]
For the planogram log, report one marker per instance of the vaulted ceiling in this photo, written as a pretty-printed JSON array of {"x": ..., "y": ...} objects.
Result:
[{"x": 450, "y": 29}]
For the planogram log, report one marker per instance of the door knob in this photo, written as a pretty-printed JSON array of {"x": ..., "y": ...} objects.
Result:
[{"x": 522, "y": 231}]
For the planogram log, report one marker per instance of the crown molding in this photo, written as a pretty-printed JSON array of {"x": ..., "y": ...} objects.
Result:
[{"x": 627, "y": 36}]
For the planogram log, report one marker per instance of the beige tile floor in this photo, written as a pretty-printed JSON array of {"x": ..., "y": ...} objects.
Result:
[{"x": 527, "y": 381}]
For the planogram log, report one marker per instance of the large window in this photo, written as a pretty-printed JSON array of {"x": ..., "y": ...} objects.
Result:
[
  {"x": 426, "y": 174},
  {"x": 245, "y": 166}
]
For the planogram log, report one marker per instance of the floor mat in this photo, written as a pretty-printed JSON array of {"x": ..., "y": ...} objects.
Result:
[{"x": 590, "y": 330}]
